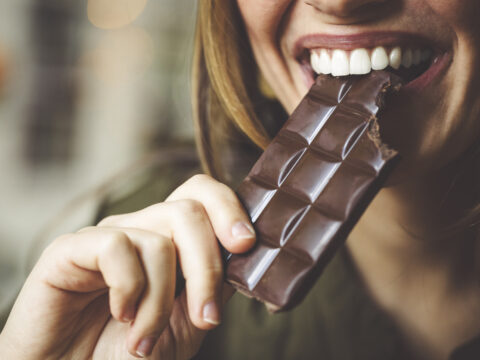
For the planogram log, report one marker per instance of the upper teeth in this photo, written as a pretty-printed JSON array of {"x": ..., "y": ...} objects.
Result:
[{"x": 361, "y": 61}]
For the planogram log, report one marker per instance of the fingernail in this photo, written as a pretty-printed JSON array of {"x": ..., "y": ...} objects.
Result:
[
  {"x": 145, "y": 347},
  {"x": 211, "y": 314},
  {"x": 242, "y": 230},
  {"x": 129, "y": 315}
]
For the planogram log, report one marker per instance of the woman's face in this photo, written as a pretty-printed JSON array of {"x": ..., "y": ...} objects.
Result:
[{"x": 434, "y": 43}]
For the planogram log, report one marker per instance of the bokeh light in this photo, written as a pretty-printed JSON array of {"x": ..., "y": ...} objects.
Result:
[{"x": 114, "y": 14}]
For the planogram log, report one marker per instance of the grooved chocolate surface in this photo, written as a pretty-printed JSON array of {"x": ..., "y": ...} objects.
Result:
[{"x": 310, "y": 186}]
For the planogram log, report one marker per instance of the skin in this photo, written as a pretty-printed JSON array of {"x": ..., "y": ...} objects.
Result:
[{"x": 427, "y": 286}]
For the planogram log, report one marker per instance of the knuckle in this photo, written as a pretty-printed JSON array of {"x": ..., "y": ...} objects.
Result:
[
  {"x": 200, "y": 179},
  {"x": 211, "y": 185},
  {"x": 190, "y": 207},
  {"x": 156, "y": 208},
  {"x": 110, "y": 220},
  {"x": 116, "y": 240},
  {"x": 192, "y": 184},
  {"x": 217, "y": 189},
  {"x": 86, "y": 229},
  {"x": 56, "y": 245},
  {"x": 61, "y": 240}
]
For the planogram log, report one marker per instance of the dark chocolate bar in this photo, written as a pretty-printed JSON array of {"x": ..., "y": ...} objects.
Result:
[{"x": 310, "y": 187}]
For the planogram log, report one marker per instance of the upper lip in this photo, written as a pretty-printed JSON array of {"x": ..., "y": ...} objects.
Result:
[{"x": 362, "y": 40}]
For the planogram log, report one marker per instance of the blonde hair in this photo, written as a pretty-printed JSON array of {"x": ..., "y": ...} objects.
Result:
[{"x": 223, "y": 82}]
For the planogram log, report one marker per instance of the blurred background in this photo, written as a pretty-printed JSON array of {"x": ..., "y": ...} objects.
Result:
[{"x": 86, "y": 88}]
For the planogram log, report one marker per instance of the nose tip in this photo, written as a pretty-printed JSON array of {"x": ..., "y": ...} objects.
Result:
[{"x": 344, "y": 8}]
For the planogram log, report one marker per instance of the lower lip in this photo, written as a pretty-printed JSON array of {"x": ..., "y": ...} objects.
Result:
[
  {"x": 416, "y": 85},
  {"x": 433, "y": 72}
]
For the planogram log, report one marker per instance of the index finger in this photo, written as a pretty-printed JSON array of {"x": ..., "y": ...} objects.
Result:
[{"x": 227, "y": 215}]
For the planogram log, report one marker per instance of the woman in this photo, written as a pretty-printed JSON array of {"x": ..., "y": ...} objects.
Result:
[{"x": 414, "y": 293}]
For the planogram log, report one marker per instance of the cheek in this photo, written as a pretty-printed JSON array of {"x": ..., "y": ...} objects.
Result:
[
  {"x": 262, "y": 17},
  {"x": 461, "y": 14}
]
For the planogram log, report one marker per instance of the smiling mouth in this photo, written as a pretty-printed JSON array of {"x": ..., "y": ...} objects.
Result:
[
  {"x": 406, "y": 63},
  {"x": 417, "y": 64}
]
